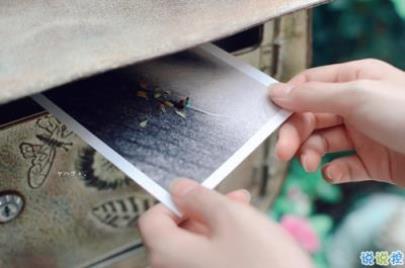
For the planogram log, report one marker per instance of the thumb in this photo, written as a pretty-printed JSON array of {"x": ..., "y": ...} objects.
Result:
[
  {"x": 197, "y": 202},
  {"x": 337, "y": 98}
]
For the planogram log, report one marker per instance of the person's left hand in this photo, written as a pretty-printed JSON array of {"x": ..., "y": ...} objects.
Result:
[{"x": 217, "y": 232}]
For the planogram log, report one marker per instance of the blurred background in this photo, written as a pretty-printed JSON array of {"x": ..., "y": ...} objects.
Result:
[
  {"x": 353, "y": 29},
  {"x": 336, "y": 223}
]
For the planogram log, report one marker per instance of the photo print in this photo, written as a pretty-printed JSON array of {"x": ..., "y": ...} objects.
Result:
[{"x": 196, "y": 114}]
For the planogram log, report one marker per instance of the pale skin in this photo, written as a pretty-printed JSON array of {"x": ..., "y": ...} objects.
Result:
[{"x": 357, "y": 106}]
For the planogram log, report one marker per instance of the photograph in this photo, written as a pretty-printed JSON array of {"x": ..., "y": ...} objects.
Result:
[
  {"x": 193, "y": 134},
  {"x": 196, "y": 114}
]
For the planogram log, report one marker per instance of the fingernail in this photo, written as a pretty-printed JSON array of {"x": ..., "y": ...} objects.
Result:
[
  {"x": 333, "y": 173},
  {"x": 305, "y": 162},
  {"x": 280, "y": 91},
  {"x": 180, "y": 187}
]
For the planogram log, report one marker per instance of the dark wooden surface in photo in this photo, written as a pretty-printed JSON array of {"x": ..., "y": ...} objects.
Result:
[{"x": 168, "y": 146}]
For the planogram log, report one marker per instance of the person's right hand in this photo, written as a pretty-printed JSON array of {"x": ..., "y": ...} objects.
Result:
[
  {"x": 216, "y": 232},
  {"x": 356, "y": 106}
]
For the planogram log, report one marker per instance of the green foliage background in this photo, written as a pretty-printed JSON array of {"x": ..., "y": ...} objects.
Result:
[{"x": 354, "y": 29}]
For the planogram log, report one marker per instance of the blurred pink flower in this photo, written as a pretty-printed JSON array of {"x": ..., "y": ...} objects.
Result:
[{"x": 302, "y": 231}]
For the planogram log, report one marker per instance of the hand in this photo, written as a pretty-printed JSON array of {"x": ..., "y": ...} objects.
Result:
[
  {"x": 217, "y": 232},
  {"x": 356, "y": 106}
]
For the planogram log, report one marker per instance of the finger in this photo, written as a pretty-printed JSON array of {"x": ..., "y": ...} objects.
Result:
[
  {"x": 343, "y": 72},
  {"x": 327, "y": 120},
  {"x": 321, "y": 142},
  {"x": 346, "y": 169},
  {"x": 330, "y": 73},
  {"x": 157, "y": 224},
  {"x": 298, "y": 128},
  {"x": 240, "y": 196},
  {"x": 197, "y": 202},
  {"x": 195, "y": 227},
  {"x": 337, "y": 98},
  {"x": 292, "y": 134}
]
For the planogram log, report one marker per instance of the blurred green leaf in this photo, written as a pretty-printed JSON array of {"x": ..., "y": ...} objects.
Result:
[
  {"x": 400, "y": 7},
  {"x": 320, "y": 261},
  {"x": 281, "y": 206},
  {"x": 328, "y": 192},
  {"x": 322, "y": 224}
]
